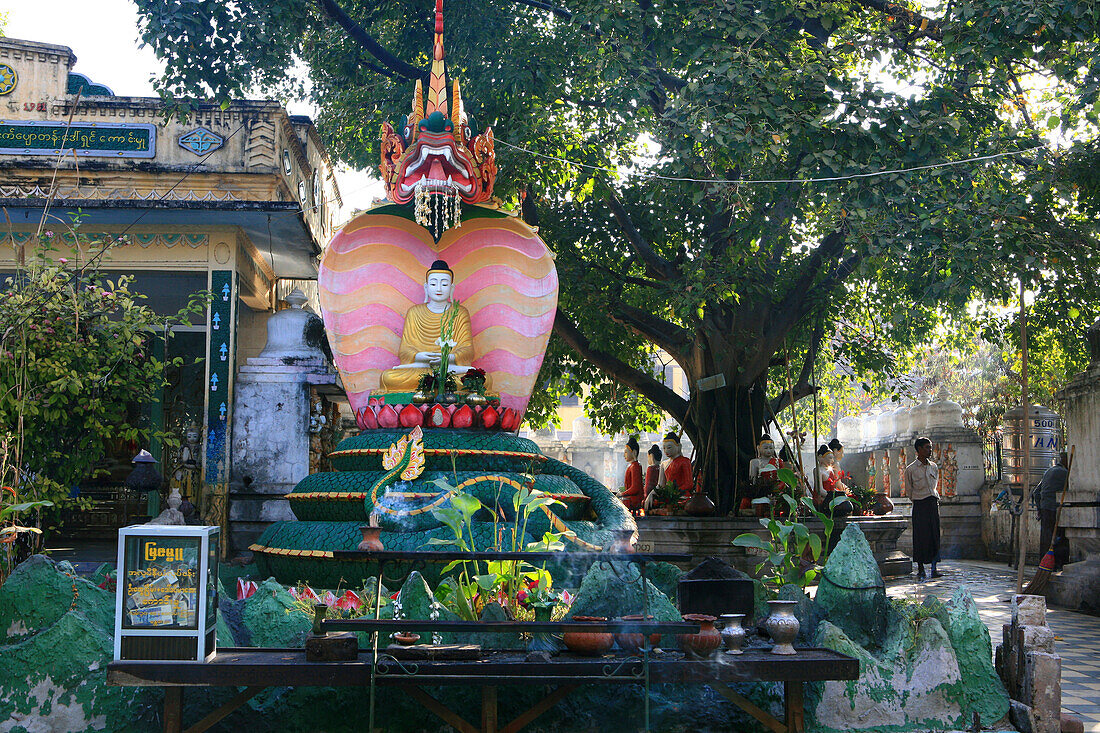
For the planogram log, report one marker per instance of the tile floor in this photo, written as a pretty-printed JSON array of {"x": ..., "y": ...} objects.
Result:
[{"x": 1077, "y": 635}]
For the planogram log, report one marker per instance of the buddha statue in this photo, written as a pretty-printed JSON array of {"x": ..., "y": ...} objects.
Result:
[
  {"x": 831, "y": 484},
  {"x": 421, "y": 347},
  {"x": 763, "y": 473}
]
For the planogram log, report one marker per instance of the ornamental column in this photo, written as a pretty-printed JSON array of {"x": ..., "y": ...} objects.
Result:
[{"x": 271, "y": 420}]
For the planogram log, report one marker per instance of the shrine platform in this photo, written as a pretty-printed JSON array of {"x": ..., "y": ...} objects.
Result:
[{"x": 704, "y": 537}]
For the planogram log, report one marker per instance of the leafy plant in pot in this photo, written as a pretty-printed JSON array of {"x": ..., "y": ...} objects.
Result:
[{"x": 791, "y": 553}]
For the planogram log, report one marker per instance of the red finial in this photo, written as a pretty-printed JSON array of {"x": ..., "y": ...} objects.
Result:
[{"x": 438, "y": 16}]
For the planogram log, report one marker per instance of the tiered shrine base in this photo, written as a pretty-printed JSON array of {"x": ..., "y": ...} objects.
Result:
[
  {"x": 331, "y": 507},
  {"x": 705, "y": 537}
]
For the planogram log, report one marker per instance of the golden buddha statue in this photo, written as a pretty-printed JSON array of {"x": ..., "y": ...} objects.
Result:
[{"x": 421, "y": 338}]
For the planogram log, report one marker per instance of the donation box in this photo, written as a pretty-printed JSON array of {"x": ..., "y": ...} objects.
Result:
[{"x": 167, "y": 591}]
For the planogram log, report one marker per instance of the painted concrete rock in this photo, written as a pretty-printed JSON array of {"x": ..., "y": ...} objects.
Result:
[
  {"x": 923, "y": 666},
  {"x": 55, "y": 642},
  {"x": 851, "y": 592}
]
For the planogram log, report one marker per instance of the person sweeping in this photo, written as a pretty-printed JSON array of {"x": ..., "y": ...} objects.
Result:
[{"x": 1046, "y": 498}]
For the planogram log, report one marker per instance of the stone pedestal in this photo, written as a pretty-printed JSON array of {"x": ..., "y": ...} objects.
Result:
[
  {"x": 270, "y": 440},
  {"x": 1030, "y": 669},
  {"x": 1077, "y": 585},
  {"x": 705, "y": 537}
]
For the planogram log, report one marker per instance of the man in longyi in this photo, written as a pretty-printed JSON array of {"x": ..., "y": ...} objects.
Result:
[{"x": 421, "y": 339}]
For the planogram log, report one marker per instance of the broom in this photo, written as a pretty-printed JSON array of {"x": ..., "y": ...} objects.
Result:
[{"x": 1046, "y": 566}]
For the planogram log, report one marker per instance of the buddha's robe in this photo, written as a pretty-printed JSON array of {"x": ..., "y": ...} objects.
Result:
[
  {"x": 422, "y": 329},
  {"x": 633, "y": 492},
  {"x": 678, "y": 472}
]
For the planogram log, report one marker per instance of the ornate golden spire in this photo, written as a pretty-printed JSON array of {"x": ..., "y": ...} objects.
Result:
[{"x": 437, "y": 83}]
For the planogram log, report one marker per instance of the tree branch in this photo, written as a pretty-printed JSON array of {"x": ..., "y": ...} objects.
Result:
[
  {"x": 635, "y": 379},
  {"x": 670, "y": 337},
  {"x": 802, "y": 387},
  {"x": 657, "y": 267},
  {"x": 373, "y": 47}
]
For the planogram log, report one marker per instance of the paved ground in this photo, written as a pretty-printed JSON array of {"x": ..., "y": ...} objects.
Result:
[{"x": 1077, "y": 635}]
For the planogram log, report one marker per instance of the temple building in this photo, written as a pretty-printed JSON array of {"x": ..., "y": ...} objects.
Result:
[{"x": 238, "y": 201}]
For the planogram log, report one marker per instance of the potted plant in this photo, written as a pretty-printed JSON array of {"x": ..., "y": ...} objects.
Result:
[
  {"x": 668, "y": 499},
  {"x": 425, "y": 389},
  {"x": 473, "y": 381}
]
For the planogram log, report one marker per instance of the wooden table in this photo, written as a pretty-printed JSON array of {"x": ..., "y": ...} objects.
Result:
[{"x": 257, "y": 669}]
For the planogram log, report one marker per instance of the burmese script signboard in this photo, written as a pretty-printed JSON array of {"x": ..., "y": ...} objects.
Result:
[
  {"x": 86, "y": 139},
  {"x": 166, "y": 592}
]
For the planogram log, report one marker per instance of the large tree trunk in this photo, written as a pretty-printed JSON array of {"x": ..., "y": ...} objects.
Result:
[{"x": 723, "y": 425}]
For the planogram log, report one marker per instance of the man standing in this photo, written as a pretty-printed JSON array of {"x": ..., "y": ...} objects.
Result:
[
  {"x": 922, "y": 478},
  {"x": 1046, "y": 498}
]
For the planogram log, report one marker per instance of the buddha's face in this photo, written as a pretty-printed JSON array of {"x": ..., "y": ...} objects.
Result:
[
  {"x": 765, "y": 449},
  {"x": 438, "y": 286},
  {"x": 838, "y": 454},
  {"x": 671, "y": 448},
  {"x": 629, "y": 455},
  {"x": 826, "y": 459}
]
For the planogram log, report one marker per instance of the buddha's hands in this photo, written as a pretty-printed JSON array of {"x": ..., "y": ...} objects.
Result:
[{"x": 431, "y": 358}]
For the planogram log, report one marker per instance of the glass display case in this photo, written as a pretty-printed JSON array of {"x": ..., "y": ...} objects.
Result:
[{"x": 167, "y": 592}]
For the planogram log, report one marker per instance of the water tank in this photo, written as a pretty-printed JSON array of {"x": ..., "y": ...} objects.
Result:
[{"x": 1046, "y": 443}]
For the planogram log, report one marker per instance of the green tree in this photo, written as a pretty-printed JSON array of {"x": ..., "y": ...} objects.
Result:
[
  {"x": 78, "y": 361},
  {"x": 729, "y": 261}
]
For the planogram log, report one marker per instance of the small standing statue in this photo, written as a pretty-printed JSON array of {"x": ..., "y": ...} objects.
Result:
[
  {"x": 949, "y": 471},
  {"x": 653, "y": 468},
  {"x": 678, "y": 470},
  {"x": 677, "y": 473},
  {"x": 901, "y": 470},
  {"x": 763, "y": 475},
  {"x": 633, "y": 492},
  {"x": 831, "y": 485}
]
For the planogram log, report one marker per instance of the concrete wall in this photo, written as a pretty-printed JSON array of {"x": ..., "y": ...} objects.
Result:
[
  {"x": 961, "y": 514},
  {"x": 1081, "y": 516}
]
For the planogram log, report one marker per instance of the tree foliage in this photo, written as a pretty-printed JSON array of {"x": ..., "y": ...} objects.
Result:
[
  {"x": 666, "y": 154},
  {"x": 78, "y": 362}
]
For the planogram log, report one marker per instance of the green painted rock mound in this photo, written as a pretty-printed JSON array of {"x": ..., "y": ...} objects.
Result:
[
  {"x": 54, "y": 653},
  {"x": 851, "y": 593}
]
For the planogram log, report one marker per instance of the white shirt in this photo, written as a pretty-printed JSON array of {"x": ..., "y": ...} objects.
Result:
[{"x": 922, "y": 479}]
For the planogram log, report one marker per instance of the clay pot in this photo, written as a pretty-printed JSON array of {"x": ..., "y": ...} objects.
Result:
[
  {"x": 634, "y": 642},
  {"x": 733, "y": 633},
  {"x": 699, "y": 505},
  {"x": 703, "y": 644},
  {"x": 448, "y": 398},
  {"x": 421, "y": 398},
  {"x": 477, "y": 400},
  {"x": 621, "y": 543},
  {"x": 588, "y": 643},
  {"x": 883, "y": 505},
  {"x": 405, "y": 638},
  {"x": 372, "y": 542},
  {"x": 782, "y": 626}
]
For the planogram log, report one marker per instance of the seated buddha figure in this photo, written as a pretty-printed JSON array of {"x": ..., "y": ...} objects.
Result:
[{"x": 421, "y": 347}]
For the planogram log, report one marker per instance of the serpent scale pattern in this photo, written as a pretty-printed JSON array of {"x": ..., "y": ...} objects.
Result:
[{"x": 333, "y": 505}]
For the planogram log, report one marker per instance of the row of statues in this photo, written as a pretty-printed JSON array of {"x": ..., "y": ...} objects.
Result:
[
  {"x": 668, "y": 483},
  {"x": 677, "y": 485}
]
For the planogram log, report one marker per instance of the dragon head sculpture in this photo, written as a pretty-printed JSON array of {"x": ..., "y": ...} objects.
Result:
[{"x": 434, "y": 158}]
